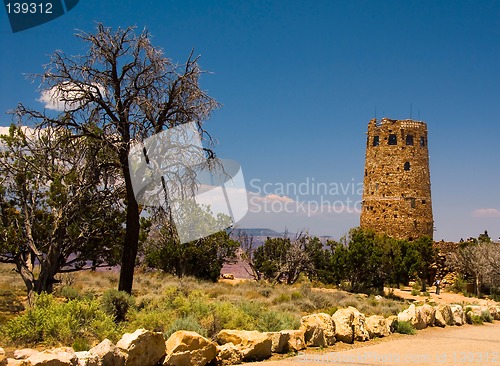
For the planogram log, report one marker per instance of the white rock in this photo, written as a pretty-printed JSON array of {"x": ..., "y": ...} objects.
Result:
[{"x": 189, "y": 348}]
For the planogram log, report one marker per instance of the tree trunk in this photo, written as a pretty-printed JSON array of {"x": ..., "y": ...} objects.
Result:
[{"x": 131, "y": 244}]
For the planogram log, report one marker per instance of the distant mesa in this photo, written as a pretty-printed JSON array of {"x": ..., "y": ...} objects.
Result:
[{"x": 255, "y": 232}]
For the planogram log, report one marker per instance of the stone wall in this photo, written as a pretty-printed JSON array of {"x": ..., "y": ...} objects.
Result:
[{"x": 397, "y": 188}]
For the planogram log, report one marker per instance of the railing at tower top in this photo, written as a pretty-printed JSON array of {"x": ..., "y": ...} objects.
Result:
[{"x": 407, "y": 123}]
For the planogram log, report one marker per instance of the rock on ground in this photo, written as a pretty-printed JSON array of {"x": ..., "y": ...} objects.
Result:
[
  {"x": 279, "y": 341},
  {"x": 296, "y": 341},
  {"x": 344, "y": 331},
  {"x": 228, "y": 354},
  {"x": 142, "y": 348},
  {"x": 495, "y": 312},
  {"x": 55, "y": 357},
  {"x": 428, "y": 315},
  {"x": 319, "y": 330},
  {"x": 458, "y": 314},
  {"x": 350, "y": 325},
  {"x": 185, "y": 348},
  {"x": 376, "y": 325},
  {"x": 253, "y": 345},
  {"x": 85, "y": 358},
  {"x": 444, "y": 316},
  {"x": 413, "y": 316},
  {"x": 108, "y": 353}
]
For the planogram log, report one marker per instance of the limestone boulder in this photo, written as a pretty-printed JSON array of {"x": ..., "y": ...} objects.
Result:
[
  {"x": 228, "y": 354},
  {"x": 2, "y": 355},
  {"x": 253, "y": 345},
  {"x": 54, "y": 357},
  {"x": 142, "y": 348},
  {"x": 376, "y": 325},
  {"x": 185, "y": 348},
  {"x": 296, "y": 341},
  {"x": 392, "y": 323},
  {"x": 413, "y": 316},
  {"x": 350, "y": 325},
  {"x": 458, "y": 314},
  {"x": 444, "y": 316},
  {"x": 85, "y": 358},
  {"x": 108, "y": 353},
  {"x": 13, "y": 362},
  {"x": 344, "y": 331},
  {"x": 428, "y": 315},
  {"x": 24, "y": 353},
  {"x": 279, "y": 341},
  {"x": 495, "y": 312},
  {"x": 319, "y": 330},
  {"x": 359, "y": 324}
]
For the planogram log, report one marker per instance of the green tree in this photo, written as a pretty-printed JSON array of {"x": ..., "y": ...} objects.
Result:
[
  {"x": 202, "y": 258},
  {"x": 283, "y": 260},
  {"x": 426, "y": 256},
  {"x": 58, "y": 210},
  {"x": 364, "y": 260},
  {"x": 118, "y": 92}
]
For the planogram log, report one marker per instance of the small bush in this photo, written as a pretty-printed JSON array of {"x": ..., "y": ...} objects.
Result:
[
  {"x": 282, "y": 298},
  {"x": 474, "y": 319},
  {"x": 460, "y": 285},
  {"x": 415, "y": 292},
  {"x": 117, "y": 304},
  {"x": 51, "y": 322},
  {"x": 405, "y": 328},
  {"x": 274, "y": 321},
  {"x": 188, "y": 323},
  {"x": 70, "y": 293},
  {"x": 486, "y": 316}
]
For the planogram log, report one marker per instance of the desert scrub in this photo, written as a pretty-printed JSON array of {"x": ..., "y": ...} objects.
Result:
[
  {"x": 486, "y": 316},
  {"x": 196, "y": 310},
  {"x": 51, "y": 322},
  {"x": 405, "y": 328},
  {"x": 117, "y": 304}
]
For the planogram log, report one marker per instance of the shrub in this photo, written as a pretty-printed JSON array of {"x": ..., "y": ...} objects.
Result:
[
  {"x": 486, "y": 316},
  {"x": 474, "y": 319},
  {"x": 51, "y": 322},
  {"x": 460, "y": 285},
  {"x": 70, "y": 293},
  {"x": 117, "y": 304},
  {"x": 274, "y": 321},
  {"x": 415, "y": 292},
  {"x": 187, "y": 323},
  {"x": 405, "y": 328}
]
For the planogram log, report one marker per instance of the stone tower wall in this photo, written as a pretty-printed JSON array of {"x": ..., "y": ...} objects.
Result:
[{"x": 397, "y": 187}]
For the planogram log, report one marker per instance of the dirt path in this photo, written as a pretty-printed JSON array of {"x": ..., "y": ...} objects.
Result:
[
  {"x": 443, "y": 297},
  {"x": 451, "y": 346}
]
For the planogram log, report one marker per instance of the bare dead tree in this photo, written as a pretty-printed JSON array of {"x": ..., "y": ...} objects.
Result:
[
  {"x": 247, "y": 249},
  {"x": 480, "y": 260},
  {"x": 122, "y": 90}
]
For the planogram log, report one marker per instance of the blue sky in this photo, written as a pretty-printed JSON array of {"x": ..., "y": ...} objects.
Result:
[{"x": 299, "y": 82}]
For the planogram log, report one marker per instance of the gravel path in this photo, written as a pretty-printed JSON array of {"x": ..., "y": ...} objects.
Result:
[{"x": 451, "y": 346}]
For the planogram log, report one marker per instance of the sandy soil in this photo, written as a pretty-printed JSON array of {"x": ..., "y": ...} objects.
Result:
[{"x": 450, "y": 346}]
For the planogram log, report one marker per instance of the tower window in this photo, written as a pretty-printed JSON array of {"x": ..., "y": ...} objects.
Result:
[
  {"x": 407, "y": 166},
  {"x": 422, "y": 141},
  {"x": 412, "y": 202},
  {"x": 409, "y": 139},
  {"x": 376, "y": 140},
  {"x": 393, "y": 139}
]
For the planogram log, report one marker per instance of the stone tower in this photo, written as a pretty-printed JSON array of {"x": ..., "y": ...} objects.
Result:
[{"x": 397, "y": 186}]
